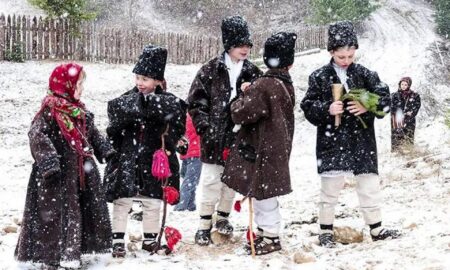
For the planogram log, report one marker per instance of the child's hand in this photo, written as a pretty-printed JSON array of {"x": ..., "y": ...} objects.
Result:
[
  {"x": 356, "y": 108},
  {"x": 244, "y": 86},
  {"x": 336, "y": 108}
]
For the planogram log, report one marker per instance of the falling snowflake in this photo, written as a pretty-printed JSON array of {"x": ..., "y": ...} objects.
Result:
[
  {"x": 273, "y": 62},
  {"x": 88, "y": 167},
  {"x": 72, "y": 72}
]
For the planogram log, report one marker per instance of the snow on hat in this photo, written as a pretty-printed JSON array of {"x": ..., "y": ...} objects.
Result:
[
  {"x": 279, "y": 50},
  {"x": 63, "y": 79},
  {"x": 235, "y": 32},
  {"x": 341, "y": 34},
  {"x": 152, "y": 62}
]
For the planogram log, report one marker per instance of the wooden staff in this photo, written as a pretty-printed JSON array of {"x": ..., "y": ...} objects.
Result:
[
  {"x": 163, "y": 223},
  {"x": 337, "y": 89},
  {"x": 250, "y": 228}
]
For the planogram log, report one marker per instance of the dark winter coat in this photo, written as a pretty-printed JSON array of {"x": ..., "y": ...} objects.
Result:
[
  {"x": 258, "y": 165},
  {"x": 209, "y": 106},
  {"x": 61, "y": 221},
  {"x": 402, "y": 105},
  {"x": 135, "y": 127},
  {"x": 350, "y": 147}
]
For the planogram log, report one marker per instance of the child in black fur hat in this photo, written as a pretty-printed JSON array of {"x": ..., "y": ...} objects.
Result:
[
  {"x": 258, "y": 166},
  {"x": 216, "y": 84},
  {"x": 348, "y": 149},
  {"x": 137, "y": 120}
]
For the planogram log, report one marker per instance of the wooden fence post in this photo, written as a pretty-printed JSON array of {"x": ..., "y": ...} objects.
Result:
[
  {"x": 58, "y": 41},
  {"x": 34, "y": 38},
  {"x": 119, "y": 45},
  {"x": 2, "y": 36},
  {"x": 111, "y": 42},
  {"x": 40, "y": 38},
  {"x": 48, "y": 38},
  {"x": 66, "y": 34},
  {"x": 8, "y": 34},
  {"x": 23, "y": 36},
  {"x": 93, "y": 39},
  {"x": 13, "y": 33}
]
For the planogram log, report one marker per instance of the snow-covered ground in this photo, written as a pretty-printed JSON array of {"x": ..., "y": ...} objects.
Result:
[{"x": 416, "y": 187}]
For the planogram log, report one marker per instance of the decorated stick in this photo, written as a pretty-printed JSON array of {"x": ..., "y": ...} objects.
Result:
[
  {"x": 337, "y": 89},
  {"x": 250, "y": 228},
  {"x": 163, "y": 222}
]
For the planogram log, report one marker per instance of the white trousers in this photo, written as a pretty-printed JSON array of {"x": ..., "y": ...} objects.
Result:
[
  {"x": 213, "y": 191},
  {"x": 150, "y": 214},
  {"x": 369, "y": 194},
  {"x": 267, "y": 216}
]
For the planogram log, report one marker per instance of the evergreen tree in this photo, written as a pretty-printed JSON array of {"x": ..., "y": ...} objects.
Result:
[
  {"x": 328, "y": 11},
  {"x": 443, "y": 17},
  {"x": 447, "y": 118},
  {"x": 75, "y": 10}
]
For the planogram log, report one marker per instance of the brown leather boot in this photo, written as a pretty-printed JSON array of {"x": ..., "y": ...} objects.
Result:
[
  {"x": 149, "y": 246},
  {"x": 119, "y": 250},
  {"x": 224, "y": 227},
  {"x": 386, "y": 234},
  {"x": 203, "y": 237},
  {"x": 265, "y": 245},
  {"x": 152, "y": 247}
]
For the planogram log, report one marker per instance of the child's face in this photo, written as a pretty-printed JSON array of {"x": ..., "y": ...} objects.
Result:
[
  {"x": 239, "y": 53},
  {"x": 146, "y": 84},
  {"x": 344, "y": 56},
  {"x": 79, "y": 88},
  {"x": 403, "y": 85}
]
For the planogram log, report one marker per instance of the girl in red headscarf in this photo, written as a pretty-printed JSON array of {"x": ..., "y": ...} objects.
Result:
[
  {"x": 405, "y": 104},
  {"x": 65, "y": 209}
]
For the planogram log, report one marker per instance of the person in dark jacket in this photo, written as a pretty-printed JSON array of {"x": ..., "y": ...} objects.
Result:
[
  {"x": 65, "y": 214},
  {"x": 258, "y": 165},
  {"x": 348, "y": 149},
  {"x": 138, "y": 120},
  {"x": 191, "y": 168},
  {"x": 216, "y": 84},
  {"x": 405, "y": 104}
]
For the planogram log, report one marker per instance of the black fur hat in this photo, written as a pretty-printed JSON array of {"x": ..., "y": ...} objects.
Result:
[
  {"x": 341, "y": 34},
  {"x": 152, "y": 62},
  {"x": 279, "y": 50},
  {"x": 235, "y": 32}
]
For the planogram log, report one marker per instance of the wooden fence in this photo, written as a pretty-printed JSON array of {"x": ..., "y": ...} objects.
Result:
[{"x": 41, "y": 38}]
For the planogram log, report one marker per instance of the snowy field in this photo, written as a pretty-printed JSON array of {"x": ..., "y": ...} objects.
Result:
[{"x": 416, "y": 187}]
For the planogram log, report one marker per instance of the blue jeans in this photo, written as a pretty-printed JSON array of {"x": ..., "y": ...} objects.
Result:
[{"x": 190, "y": 172}]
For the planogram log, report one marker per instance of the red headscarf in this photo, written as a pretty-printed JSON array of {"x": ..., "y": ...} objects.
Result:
[{"x": 68, "y": 112}]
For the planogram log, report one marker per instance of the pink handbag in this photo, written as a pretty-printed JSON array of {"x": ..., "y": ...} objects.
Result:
[{"x": 160, "y": 162}]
